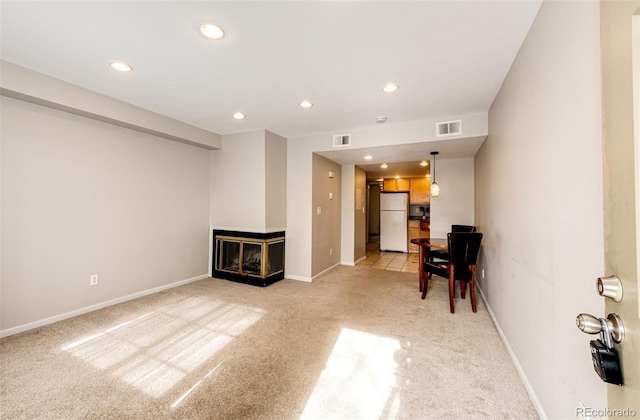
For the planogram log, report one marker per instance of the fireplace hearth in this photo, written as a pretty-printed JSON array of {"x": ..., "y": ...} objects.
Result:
[{"x": 248, "y": 257}]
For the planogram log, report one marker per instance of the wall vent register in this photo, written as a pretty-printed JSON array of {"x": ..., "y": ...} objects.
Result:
[
  {"x": 342, "y": 140},
  {"x": 448, "y": 128}
]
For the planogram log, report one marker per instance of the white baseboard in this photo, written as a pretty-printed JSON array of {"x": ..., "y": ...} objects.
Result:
[
  {"x": 325, "y": 271},
  {"x": 351, "y": 263},
  {"x": 310, "y": 279},
  {"x": 514, "y": 359},
  {"x": 299, "y": 278},
  {"x": 61, "y": 317}
]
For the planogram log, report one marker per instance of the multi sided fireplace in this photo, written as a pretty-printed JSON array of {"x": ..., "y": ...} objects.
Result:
[{"x": 247, "y": 257}]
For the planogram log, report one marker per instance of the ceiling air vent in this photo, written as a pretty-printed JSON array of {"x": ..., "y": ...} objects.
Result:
[
  {"x": 341, "y": 140},
  {"x": 448, "y": 128}
]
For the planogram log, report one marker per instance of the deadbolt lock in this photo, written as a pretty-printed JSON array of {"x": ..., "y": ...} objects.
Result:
[{"x": 610, "y": 287}]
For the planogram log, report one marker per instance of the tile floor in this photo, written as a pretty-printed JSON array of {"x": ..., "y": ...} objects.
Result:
[{"x": 393, "y": 261}]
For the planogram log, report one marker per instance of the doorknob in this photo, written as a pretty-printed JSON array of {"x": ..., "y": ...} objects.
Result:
[
  {"x": 591, "y": 325},
  {"x": 605, "y": 358}
]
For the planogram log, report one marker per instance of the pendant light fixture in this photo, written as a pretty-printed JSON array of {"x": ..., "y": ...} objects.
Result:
[{"x": 435, "y": 189}]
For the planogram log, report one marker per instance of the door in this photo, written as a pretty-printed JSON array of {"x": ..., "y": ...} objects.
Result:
[
  {"x": 621, "y": 185},
  {"x": 374, "y": 209}
]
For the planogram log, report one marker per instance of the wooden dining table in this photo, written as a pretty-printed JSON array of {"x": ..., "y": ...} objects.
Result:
[{"x": 425, "y": 245}]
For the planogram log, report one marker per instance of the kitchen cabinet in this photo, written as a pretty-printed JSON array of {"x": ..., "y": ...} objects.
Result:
[
  {"x": 402, "y": 184},
  {"x": 420, "y": 191},
  {"x": 396, "y": 185},
  {"x": 414, "y": 233},
  {"x": 417, "y": 229}
]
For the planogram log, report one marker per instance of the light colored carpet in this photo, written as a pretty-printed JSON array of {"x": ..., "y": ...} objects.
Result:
[{"x": 357, "y": 343}]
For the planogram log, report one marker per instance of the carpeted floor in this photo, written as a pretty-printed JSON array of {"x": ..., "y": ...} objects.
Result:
[{"x": 357, "y": 343}]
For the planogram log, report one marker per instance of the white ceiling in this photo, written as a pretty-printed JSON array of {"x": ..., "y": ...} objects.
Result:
[{"x": 448, "y": 57}]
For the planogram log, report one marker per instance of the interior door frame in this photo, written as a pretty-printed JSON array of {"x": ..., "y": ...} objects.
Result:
[
  {"x": 621, "y": 181},
  {"x": 635, "y": 51}
]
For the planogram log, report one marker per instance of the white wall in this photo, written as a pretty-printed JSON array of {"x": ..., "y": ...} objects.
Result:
[
  {"x": 30, "y": 86},
  {"x": 238, "y": 190},
  {"x": 275, "y": 182},
  {"x": 82, "y": 197},
  {"x": 539, "y": 203},
  {"x": 455, "y": 204},
  {"x": 248, "y": 182},
  {"x": 299, "y": 209},
  {"x": 353, "y": 220}
]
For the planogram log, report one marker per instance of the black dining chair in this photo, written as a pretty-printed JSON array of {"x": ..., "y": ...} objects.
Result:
[
  {"x": 442, "y": 254},
  {"x": 460, "y": 265}
]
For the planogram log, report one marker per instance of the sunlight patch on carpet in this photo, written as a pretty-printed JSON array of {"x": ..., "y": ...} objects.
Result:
[
  {"x": 194, "y": 387},
  {"x": 153, "y": 352},
  {"x": 359, "y": 379}
]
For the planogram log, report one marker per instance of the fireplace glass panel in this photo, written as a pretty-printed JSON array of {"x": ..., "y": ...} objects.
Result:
[
  {"x": 229, "y": 256},
  {"x": 252, "y": 258},
  {"x": 276, "y": 257}
]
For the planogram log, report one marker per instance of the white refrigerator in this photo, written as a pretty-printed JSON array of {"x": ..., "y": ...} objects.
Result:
[{"x": 393, "y": 221}]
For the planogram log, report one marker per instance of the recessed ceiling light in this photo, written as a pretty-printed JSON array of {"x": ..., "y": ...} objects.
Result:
[
  {"x": 381, "y": 119},
  {"x": 120, "y": 66},
  {"x": 306, "y": 104},
  {"x": 397, "y": 176},
  {"x": 239, "y": 116},
  {"x": 368, "y": 157},
  {"x": 384, "y": 166},
  {"x": 390, "y": 87},
  {"x": 423, "y": 163},
  {"x": 211, "y": 31}
]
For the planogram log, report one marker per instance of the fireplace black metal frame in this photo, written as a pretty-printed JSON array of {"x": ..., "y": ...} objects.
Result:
[{"x": 250, "y": 239}]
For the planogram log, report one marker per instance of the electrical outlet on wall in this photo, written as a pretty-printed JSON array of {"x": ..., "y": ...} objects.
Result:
[{"x": 94, "y": 280}]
